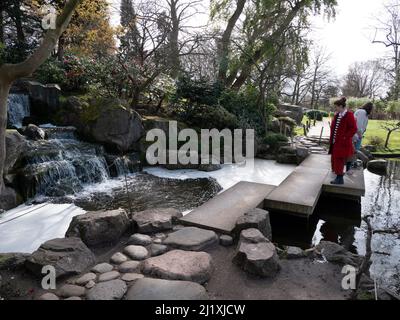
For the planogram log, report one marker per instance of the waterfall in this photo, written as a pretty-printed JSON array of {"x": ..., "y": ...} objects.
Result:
[
  {"x": 64, "y": 165},
  {"x": 18, "y": 108}
]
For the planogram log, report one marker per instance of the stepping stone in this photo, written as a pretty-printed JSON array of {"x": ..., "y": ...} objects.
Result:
[
  {"x": 102, "y": 268},
  {"x": 140, "y": 239},
  {"x": 252, "y": 235},
  {"x": 299, "y": 193},
  {"x": 110, "y": 290},
  {"x": 90, "y": 284},
  {"x": 158, "y": 249},
  {"x": 118, "y": 258},
  {"x": 136, "y": 252},
  {"x": 109, "y": 276},
  {"x": 225, "y": 240},
  {"x": 70, "y": 290},
  {"x": 157, "y": 289},
  {"x": 221, "y": 212},
  {"x": 155, "y": 220},
  {"x": 129, "y": 277},
  {"x": 85, "y": 279},
  {"x": 129, "y": 267},
  {"x": 256, "y": 218},
  {"x": 74, "y": 298},
  {"x": 180, "y": 265},
  {"x": 257, "y": 255},
  {"x": 48, "y": 297},
  {"x": 193, "y": 239}
]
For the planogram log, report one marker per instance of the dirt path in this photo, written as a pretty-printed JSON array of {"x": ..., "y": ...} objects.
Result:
[{"x": 303, "y": 279}]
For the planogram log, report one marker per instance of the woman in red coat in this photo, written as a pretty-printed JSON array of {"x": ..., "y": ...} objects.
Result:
[{"x": 343, "y": 128}]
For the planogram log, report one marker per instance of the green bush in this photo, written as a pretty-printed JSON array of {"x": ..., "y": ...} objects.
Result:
[
  {"x": 51, "y": 71},
  {"x": 288, "y": 121},
  {"x": 199, "y": 92},
  {"x": 274, "y": 140},
  {"x": 376, "y": 141},
  {"x": 207, "y": 117},
  {"x": 316, "y": 115}
]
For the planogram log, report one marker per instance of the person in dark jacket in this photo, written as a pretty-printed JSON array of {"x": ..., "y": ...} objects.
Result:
[{"x": 343, "y": 129}]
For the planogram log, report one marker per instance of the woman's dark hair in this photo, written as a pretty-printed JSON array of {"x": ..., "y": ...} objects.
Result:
[
  {"x": 368, "y": 107},
  {"x": 341, "y": 102}
]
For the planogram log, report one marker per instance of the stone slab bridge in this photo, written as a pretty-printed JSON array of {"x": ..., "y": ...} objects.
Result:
[{"x": 297, "y": 195}]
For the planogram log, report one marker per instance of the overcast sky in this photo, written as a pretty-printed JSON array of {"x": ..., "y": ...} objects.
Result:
[{"x": 348, "y": 37}]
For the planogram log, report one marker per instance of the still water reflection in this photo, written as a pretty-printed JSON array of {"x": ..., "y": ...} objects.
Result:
[{"x": 340, "y": 221}]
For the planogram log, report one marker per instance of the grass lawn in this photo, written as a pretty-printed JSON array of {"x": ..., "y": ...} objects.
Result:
[{"x": 375, "y": 130}]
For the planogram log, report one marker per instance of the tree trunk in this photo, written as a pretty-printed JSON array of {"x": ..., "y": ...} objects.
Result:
[
  {"x": 174, "y": 62},
  {"x": 61, "y": 48},
  {"x": 1, "y": 26},
  {"x": 388, "y": 138},
  {"x": 223, "y": 47},
  {"x": 4, "y": 90},
  {"x": 273, "y": 38}
]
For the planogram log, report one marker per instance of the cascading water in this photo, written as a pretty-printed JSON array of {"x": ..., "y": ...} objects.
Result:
[
  {"x": 18, "y": 108},
  {"x": 63, "y": 165}
]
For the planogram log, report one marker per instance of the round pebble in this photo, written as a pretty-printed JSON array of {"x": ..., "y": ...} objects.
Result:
[
  {"x": 109, "y": 276},
  {"x": 119, "y": 258},
  {"x": 136, "y": 252}
]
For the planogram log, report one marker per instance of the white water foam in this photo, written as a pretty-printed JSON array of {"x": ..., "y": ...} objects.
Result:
[
  {"x": 264, "y": 171},
  {"x": 26, "y": 227}
]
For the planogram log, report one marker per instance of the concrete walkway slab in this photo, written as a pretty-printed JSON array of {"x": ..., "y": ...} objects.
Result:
[
  {"x": 221, "y": 213},
  {"x": 317, "y": 161},
  {"x": 354, "y": 186},
  {"x": 299, "y": 193}
]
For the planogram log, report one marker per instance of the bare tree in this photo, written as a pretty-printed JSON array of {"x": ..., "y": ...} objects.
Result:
[
  {"x": 365, "y": 79},
  {"x": 390, "y": 127},
  {"x": 387, "y": 33},
  {"x": 182, "y": 40}
]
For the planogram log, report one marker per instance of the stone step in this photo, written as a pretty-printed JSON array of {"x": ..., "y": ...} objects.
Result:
[
  {"x": 299, "y": 193},
  {"x": 354, "y": 185},
  {"x": 221, "y": 213}
]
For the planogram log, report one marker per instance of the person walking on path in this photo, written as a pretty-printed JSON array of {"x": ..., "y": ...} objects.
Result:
[{"x": 343, "y": 129}]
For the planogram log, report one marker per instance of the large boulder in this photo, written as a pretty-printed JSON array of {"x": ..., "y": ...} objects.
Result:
[
  {"x": 335, "y": 253},
  {"x": 95, "y": 228},
  {"x": 155, "y": 220},
  {"x": 113, "y": 124},
  {"x": 191, "y": 238},
  {"x": 45, "y": 99},
  {"x": 15, "y": 145},
  {"x": 294, "y": 112},
  {"x": 180, "y": 265},
  {"x": 9, "y": 199},
  {"x": 33, "y": 132},
  {"x": 256, "y": 218},
  {"x": 69, "y": 256},
  {"x": 256, "y": 254},
  {"x": 158, "y": 289}
]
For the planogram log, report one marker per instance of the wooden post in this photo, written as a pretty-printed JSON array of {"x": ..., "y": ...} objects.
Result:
[
  {"x": 320, "y": 137},
  {"x": 305, "y": 130}
]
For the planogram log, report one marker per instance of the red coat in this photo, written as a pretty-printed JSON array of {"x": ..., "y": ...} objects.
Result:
[{"x": 343, "y": 147}]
